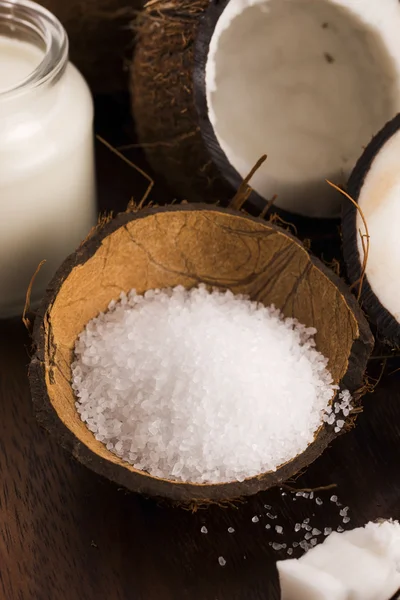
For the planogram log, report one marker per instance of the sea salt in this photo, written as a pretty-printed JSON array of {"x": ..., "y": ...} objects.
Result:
[
  {"x": 279, "y": 529},
  {"x": 166, "y": 380},
  {"x": 255, "y": 519},
  {"x": 277, "y": 546},
  {"x": 231, "y": 530},
  {"x": 204, "y": 529},
  {"x": 222, "y": 561}
]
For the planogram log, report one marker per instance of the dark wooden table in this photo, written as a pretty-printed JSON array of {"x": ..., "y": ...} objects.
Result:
[{"x": 66, "y": 534}]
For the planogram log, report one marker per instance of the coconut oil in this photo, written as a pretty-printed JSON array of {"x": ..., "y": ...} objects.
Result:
[{"x": 47, "y": 180}]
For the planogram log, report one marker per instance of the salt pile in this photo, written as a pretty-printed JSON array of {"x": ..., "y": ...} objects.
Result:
[{"x": 199, "y": 386}]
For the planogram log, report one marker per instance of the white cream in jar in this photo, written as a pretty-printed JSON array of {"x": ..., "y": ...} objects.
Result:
[{"x": 47, "y": 179}]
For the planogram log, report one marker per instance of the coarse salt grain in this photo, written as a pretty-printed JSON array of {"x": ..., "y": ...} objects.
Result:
[
  {"x": 255, "y": 519},
  {"x": 231, "y": 530},
  {"x": 204, "y": 529},
  {"x": 147, "y": 374},
  {"x": 222, "y": 561}
]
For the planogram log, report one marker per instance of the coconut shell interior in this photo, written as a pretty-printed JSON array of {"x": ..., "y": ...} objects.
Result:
[{"x": 182, "y": 245}]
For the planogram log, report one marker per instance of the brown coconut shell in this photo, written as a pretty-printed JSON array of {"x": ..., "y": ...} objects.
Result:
[
  {"x": 101, "y": 38},
  {"x": 186, "y": 245},
  {"x": 163, "y": 103},
  {"x": 387, "y": 327},
  {"x": 169, "y": 105}
]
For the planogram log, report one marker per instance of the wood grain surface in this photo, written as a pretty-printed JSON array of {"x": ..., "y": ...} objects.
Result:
[{"x": 67, "y": 534}]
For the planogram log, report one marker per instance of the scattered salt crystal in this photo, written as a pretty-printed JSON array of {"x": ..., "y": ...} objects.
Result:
[
  {"x": 334, "y": 498},
  {"x": 148, "y": 371},
  {"x": 231, "y": 530},
  {"x": 318, "y": 501},
  {"x": 300, "y": 494},
  {"x": 255, "y": 519},
  {"x": 267, "y": 506},
  {"x": 307, "y": 527},
  {"x": 277, "y": 546},
  {"x": 306, "y": 521},
  {"x": 278, "y": 529},
  {"x": 314, "y": 542},
  {"x": 295, "y": 544},
  {"x": 308, "y": 536},
  {"x": 346, "y": 520},
  {"x": 316, "y": 531},
  {"x": 340, "y": 529},
  {"x": 327, "y": 530},
  {"x": 344, "y": 511},
  {"x": 268, "y": 526},
  {"x": 297, "y": 527},
  {"x": 204, "y": 529},
  {"x": 271, "y": 516},
  {"x": 311, "y": 495},
  {"x": 222, "y": 561},
  {"x": 304, "y": 545},
  {"x": 290, "y": 551}
]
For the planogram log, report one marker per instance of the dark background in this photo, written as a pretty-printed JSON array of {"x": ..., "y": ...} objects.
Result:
[{"x": 67, "y": 534}]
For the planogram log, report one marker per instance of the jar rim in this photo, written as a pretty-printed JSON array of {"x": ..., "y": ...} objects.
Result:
[{"x": 26, "y": 16}]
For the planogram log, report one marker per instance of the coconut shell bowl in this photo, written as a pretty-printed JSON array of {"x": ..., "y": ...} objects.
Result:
[{"x": 187, "y": 245}]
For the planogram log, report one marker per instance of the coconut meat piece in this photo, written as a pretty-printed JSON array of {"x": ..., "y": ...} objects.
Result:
[
  {"x": 379, "y": 200},
  {"x": 362, "y": 564},
  {"x": 308, "y": 82}
]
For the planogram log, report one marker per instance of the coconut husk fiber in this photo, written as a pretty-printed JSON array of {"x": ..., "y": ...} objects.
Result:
[
  {"x": 101, "y": 38},
  {"x": 163, "y": 105},
  {"x": 186, "y": 245}
]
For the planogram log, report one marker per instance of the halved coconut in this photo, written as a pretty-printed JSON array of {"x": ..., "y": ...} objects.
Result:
[
  {"x": 186, "y": 245},
  {"x": 375, "y": 186},
  {"x": 308, "y": 82}
]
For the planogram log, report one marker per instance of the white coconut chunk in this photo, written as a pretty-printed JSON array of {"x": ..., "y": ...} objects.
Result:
[
  {"x": 300, "y": 581},
  {"x": 308, "y": 82},
  {"x": 364, "y": 561},
  {"x": 379, "y": 200}
]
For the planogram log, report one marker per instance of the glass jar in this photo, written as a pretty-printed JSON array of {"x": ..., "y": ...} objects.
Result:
[{"x": 47, "y": 176}]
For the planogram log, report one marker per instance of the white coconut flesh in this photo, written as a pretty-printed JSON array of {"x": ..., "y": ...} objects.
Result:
[
  {"x": 362, "y": 564},
  {"x": 308, "y": 82},
  {"x": 379, "y": 200}
]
